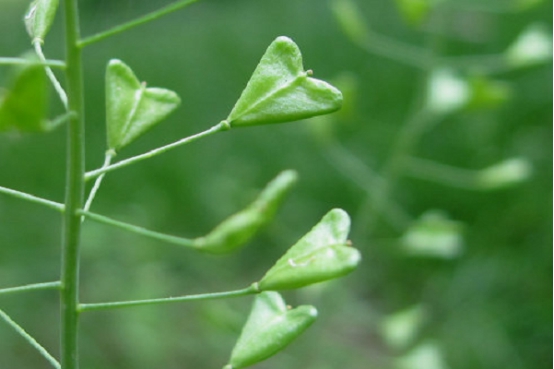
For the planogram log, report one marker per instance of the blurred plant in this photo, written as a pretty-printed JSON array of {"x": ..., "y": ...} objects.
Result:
[
  {"x": 452, "y": 85},
  {"x": 280, "y": 90}
]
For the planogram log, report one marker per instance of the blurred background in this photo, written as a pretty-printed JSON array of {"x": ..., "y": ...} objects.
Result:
[{"x": 441, "y": 155}]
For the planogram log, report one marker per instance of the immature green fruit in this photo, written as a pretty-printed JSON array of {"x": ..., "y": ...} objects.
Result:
[
  {"x": 131, "y": 107},
  {"x": 242, "y": 226},
  {"x": 39, "y": 17},
  {"x": 270, "y": 327},
  {"x": 281, "y": 91},
  {"x": 323, "y": 253},
  {"x": 23, "y": 106}
]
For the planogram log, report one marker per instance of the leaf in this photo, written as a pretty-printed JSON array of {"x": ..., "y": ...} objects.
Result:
[
  {"x": 242, "y": 226},
  {"x": 23, "y": 106},
  {"x": 322, "y": 254},
  {"x": 132, "y": 108},
  {"x": 39, "y": 17},
  {"x": 281, "y": 91},
  {"x": 270, "y": 327}
]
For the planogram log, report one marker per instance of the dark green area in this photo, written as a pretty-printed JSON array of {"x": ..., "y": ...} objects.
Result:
[{"x": 490, "y": 307}]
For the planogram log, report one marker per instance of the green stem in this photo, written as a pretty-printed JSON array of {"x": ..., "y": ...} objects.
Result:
[
  {"x": 58, "y": 121},
  {"x": 107, "y": 160},
  {"x": 57, "y": 85},
  {"x": 30, "y": 339},
  {"x": 441, "y": 173},
  {"x": 137, "y": 22},
  {"x": 222, "y": 126},
  {"x": 396, "y": 50},
  {"x": 32, "y": 287},
  {"x": 23, "y": 61},
  {"x": 139, "y": 230},
  {"x": 75, "y": 185},
  {"x": 252, "y": 290},
  {"x": 37, "y": 200}
]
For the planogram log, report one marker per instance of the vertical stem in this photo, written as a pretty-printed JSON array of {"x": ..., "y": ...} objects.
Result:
[{"x": 74, "y": 190}]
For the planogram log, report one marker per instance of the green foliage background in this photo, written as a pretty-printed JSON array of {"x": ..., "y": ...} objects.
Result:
[{"x": 489, "y": 308}]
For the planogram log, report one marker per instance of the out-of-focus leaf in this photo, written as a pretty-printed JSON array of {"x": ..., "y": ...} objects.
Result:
[
  {"x": 131, "y": 107},
  {"x": 322, "y": 254},
  {"x": 401, "y": 328},
  {"x": 414, "y": 11},
  {"x": 425, "y": 356},
  {"x": 351, "y": 20},
  {"x": 24, "y": 104},
  {"x": 446, "y": 91},
  {"x": 433, "y": 235},
  {"x": 532, "y": 46},
  {"x": 281, "y": 91},
  {"x": 270, "y": 327},
  {"x": 487, "y": 93},
  {"x": 504, "y": 174}
]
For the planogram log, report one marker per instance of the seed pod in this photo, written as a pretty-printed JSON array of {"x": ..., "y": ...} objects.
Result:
[
  {"x": 322, "y": 254},
  {"x": 239, "y": 228},
  {"x": 131, "y": 107},
  {"x": 39, "y": 17},
  {"x": 270, "y": 327},
  {"x": 281, "y": 91}
]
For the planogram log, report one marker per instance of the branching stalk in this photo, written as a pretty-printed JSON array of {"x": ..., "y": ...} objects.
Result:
[
  {"x": 32, "y": 287},
  {"x": 139, "y": 230},
  {"x": 251, "y": 290},
  {"x": 24, "y": 61},
  {"x": 57, "y": 85},
  {"x": 31, "y": 198},
  {"x": 30, "y": 339},
  {"x": 222, "y": 126},
  {"x": 98, "y": 182},
  {"x": 137, "y": 22}
]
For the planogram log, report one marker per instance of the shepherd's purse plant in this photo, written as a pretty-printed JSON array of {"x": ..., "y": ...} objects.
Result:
[{"x": 280, "y": 90}]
